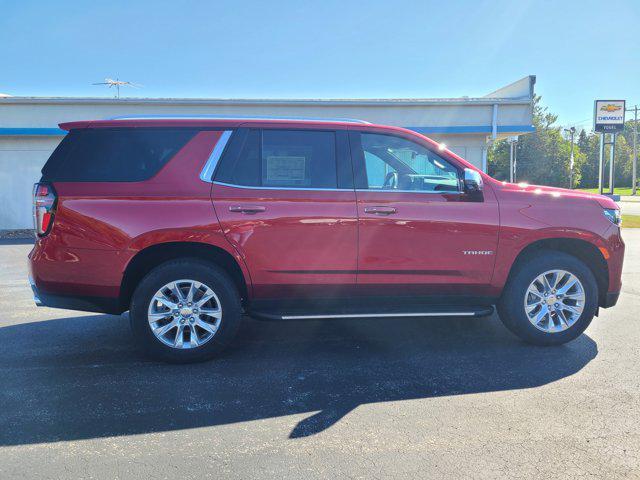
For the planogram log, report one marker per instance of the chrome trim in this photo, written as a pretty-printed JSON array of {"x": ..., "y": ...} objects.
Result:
[
  {"x": 472, "y": 181},
  {"x": 206, "y": 174},
  {"x": 408, "y": 191},
  {"x": 380, "y": 315},
  {"x": 331, "y": 189},
  {"x": 284, "y": 188},
  {"x": 36, "y": 297},
  {"x": 236, "y": 117}
]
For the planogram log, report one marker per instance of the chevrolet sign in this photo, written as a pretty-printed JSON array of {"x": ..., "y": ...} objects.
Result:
[{"x": 608, "y": 116}]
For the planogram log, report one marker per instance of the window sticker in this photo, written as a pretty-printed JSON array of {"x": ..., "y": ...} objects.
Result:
[{"x": 286, "y": 169}]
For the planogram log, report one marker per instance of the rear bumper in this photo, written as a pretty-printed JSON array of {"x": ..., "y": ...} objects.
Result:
[
  {"x": 36, "y": 296},
  {"x": 75, "y": 279},
  {"x": 67, "y": 302}
]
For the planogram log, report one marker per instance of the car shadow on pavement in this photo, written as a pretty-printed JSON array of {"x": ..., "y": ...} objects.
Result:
[{"x": 81, "y": 377}]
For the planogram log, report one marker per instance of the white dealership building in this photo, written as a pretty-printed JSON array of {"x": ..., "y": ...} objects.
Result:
[{"x": 29, "y": 129}]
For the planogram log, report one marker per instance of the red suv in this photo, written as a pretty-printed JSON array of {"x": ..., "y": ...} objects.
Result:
[{"x": 190, "y": 222}]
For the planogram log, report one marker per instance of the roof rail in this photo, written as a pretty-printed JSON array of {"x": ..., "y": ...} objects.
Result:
[{"x": 235, "y": 117}]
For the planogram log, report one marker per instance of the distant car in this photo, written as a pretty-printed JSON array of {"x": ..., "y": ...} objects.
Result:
[{"x": 189, "y": 223}]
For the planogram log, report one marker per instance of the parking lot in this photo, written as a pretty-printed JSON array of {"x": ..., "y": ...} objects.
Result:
[{"x": 410, "y": 398}]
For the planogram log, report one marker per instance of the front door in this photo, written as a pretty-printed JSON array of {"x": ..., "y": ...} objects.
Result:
[
  {"x": 418, "y": 233},
  {"x": 285, "y": 200}
]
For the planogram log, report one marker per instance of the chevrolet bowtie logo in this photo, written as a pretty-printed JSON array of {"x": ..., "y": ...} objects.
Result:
[{"x": 610, "y": 108}]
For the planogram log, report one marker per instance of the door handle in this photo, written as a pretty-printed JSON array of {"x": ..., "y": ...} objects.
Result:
[
  {"x": 380, "y": 210},
  {"x": 248, "y": 209}
]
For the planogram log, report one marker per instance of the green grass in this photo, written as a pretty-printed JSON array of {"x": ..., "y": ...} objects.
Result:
[
  {"x": 630, "y": 221},
  {"x": 617, "y": 191}
]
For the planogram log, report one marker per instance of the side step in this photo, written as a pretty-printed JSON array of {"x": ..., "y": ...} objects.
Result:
[{"x": 459, "y": 311}]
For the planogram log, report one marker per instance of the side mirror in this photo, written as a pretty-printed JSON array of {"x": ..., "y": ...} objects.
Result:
[{"x": 472, "y": 181}]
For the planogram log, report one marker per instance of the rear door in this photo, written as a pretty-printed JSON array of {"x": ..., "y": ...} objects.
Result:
[
  {"x": 286, "y": 201},
  {"x": 418, "y": 233}
]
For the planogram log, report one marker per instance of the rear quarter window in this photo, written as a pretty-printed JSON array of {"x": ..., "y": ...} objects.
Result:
[{"x": 114, "y": 154}]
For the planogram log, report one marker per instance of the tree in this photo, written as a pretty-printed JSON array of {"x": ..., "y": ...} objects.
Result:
[
  {"x": 590, "y": 145},
  {"x": 543, "y": 156}
]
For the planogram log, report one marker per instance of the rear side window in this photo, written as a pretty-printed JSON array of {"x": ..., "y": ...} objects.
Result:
[
  {"x": 114, "y": 154},
  {"x": 281, "y": 159}
]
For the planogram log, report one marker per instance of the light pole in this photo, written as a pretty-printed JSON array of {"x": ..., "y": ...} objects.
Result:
[
  {"x": 572, "y": 132},
  {"x": 513, "y": 154}
]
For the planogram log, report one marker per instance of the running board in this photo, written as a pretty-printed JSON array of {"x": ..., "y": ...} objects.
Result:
[{"x": 436, "y": 312}]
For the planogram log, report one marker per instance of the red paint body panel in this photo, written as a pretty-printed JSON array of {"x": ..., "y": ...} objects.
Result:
[
  {"x": 529, "y": 213},
  {"x": 424, "y": 242},
  {"x": 100, "y": 226},
  {"x": 303, "y": 243},
  {"x": 306, "y": 242}
]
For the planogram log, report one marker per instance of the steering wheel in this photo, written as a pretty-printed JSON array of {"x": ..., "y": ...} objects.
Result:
[{"x": 390, "y": 181}]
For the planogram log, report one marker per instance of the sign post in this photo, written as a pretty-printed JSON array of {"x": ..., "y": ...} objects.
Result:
[{"x": 608, "y": 117}]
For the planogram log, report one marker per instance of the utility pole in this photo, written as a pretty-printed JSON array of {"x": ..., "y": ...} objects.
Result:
[
  {"x": 635, "y": 149},
  {"x": 572, "y": 132}
]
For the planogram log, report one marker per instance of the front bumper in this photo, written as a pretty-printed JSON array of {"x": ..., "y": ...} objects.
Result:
[{"x": 610, "y": 299}]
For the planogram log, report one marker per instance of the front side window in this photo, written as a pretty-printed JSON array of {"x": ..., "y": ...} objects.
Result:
[
  {"x": 395, "y": 163},
  {"x": 281, "y": 159}
]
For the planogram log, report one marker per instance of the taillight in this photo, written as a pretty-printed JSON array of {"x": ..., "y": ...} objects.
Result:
[{"x": 44, "y": 203}]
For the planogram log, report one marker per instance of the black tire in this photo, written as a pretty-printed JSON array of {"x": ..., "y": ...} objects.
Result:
[
  {"x": 511, "y": 305},
  {"x": 193, "y": 269}
]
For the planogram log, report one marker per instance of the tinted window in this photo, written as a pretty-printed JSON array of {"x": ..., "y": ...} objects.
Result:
[
  {"x": 281, "y": 158},
  {"x": 395, "y": 163},
  {"x": 240, "y": 163},
  {"x": 114, "y": 155}
]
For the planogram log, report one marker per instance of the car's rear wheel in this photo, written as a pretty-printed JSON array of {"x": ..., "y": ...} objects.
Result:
[
  {"x": 550, "y": 299},
  {"x": 185, "y": 311}
]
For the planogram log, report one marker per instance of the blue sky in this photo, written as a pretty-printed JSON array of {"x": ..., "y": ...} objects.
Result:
[{"x": 579, "y": 50}]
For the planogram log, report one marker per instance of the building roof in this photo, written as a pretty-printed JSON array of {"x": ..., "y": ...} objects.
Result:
[
  {"x": 263, "y": 101},
  {"x": 519, "y": 92},
  {"x": 506, "y": 111}
]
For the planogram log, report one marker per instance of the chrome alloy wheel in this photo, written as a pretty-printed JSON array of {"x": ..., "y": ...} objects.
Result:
[
  {"x": 554, "y": 301},
  {"x": 184, "y": 314}
]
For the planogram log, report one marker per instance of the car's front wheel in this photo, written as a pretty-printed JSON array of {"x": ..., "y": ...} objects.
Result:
[
  {"x": 185, "y": 311},
  {"x": 550, "y": 299}
]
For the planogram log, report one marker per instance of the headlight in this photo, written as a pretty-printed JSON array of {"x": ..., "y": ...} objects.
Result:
[{"x": 613, "y": 215}]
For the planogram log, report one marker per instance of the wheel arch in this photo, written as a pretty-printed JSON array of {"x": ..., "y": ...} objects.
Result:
[
  {"x": 150, "y": 257},
  {"x": 583, "y": 250}
]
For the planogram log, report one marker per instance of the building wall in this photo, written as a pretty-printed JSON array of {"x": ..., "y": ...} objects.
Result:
[{"x": 20, "y": 162}]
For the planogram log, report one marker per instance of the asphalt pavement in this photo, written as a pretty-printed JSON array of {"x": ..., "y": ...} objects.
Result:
[{"x": 367, "y": 398}]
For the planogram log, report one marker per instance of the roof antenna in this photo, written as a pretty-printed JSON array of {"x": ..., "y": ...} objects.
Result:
[{"x": 117, "y": 83}]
